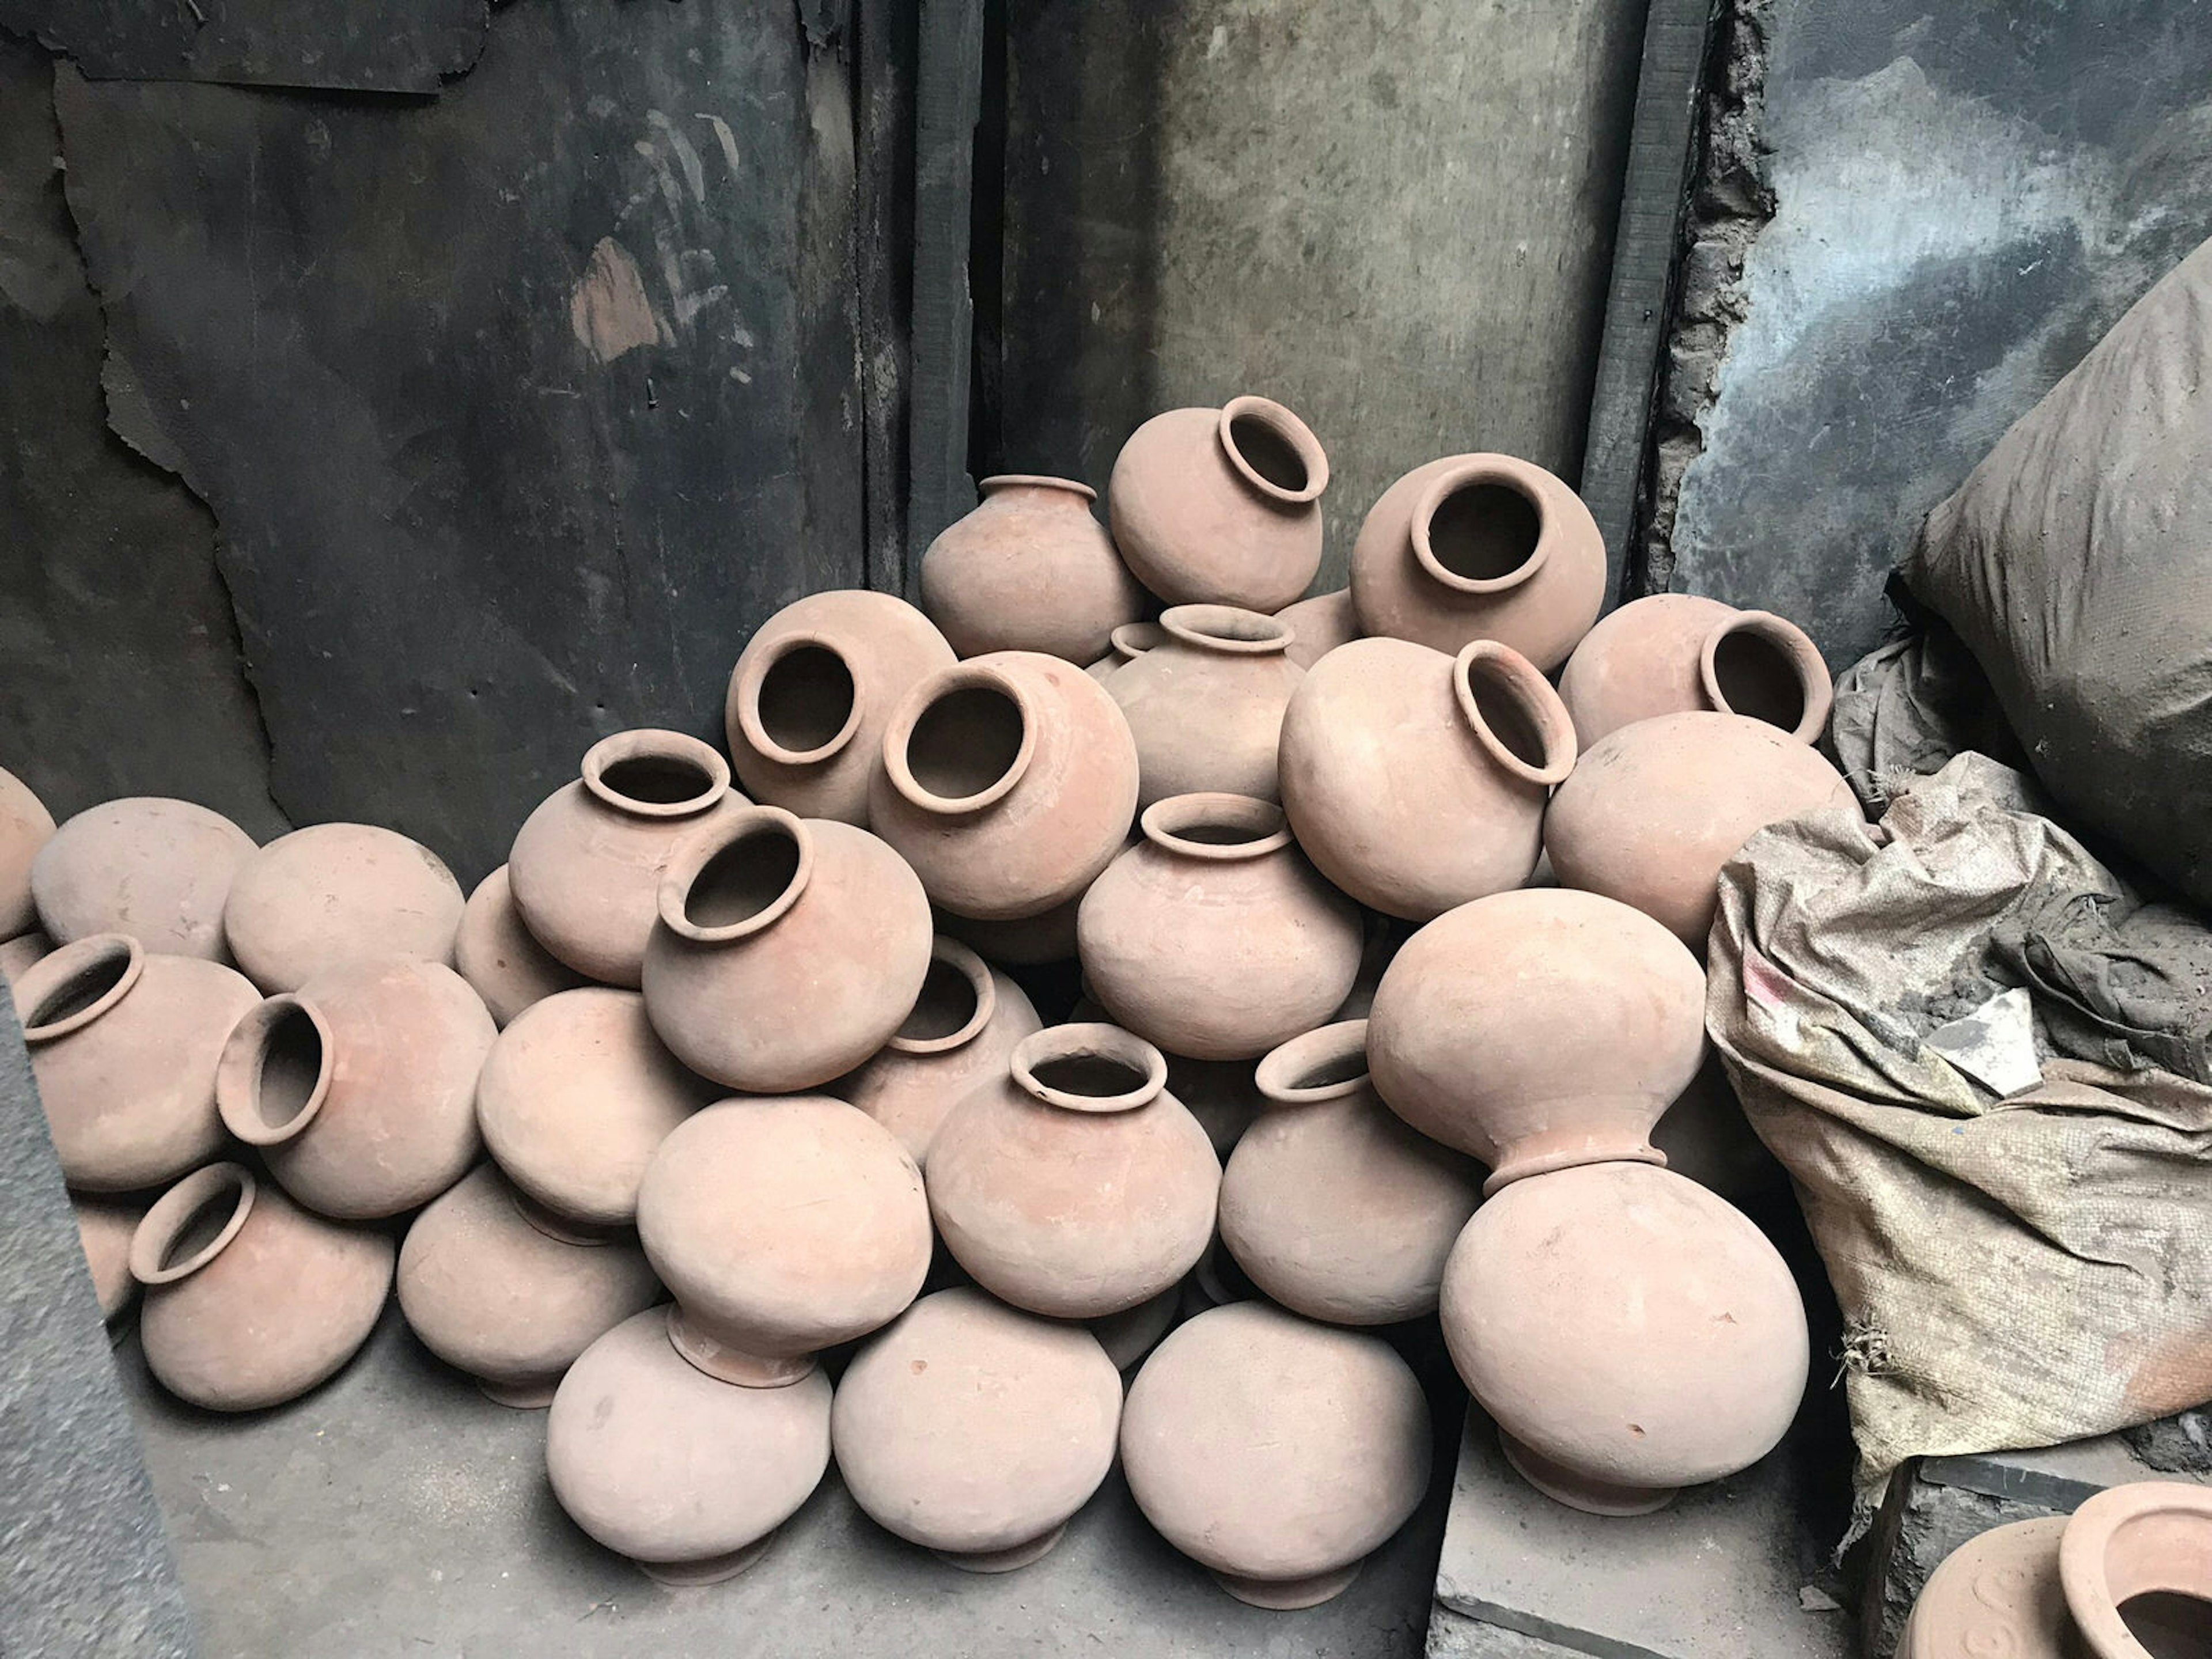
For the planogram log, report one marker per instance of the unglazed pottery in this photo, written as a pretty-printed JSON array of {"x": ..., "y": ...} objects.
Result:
[
  {"x": 781, "y": 1226},
  {"x": 1129, "y": 1335},
  {"x": 498, "y": 957},
  {"x": 1212, "y": 937},
  {"x": 687, "y": 1475},
  {"x": 1030, "y": 570},
  {"x": 1128, "y": 642},
  {"x": 25, "y": 827},
  {"x": 1276, "y": 1452},
  {"x": 157, "y": 869},
  {"x": 1028, "y": 942},
  {"x": 1206, "y": 705},
  {"x": 975, "y": 1429},
  {"x": 1386, "y": 742},
  {"x": 251, "y": 1301},
  {"x": 1630, "y": 1331},
  {"x": 1221, "y": 506},
  {"x": 1481, "y": 547},
  {"x": 360, "y": 1087},
  {"x": 1706, "y": 1137},
  {"x": 787, "y": 950},
  {"x": 18, "y": 953},
  {"x": 1673, "y": 653},
  {"x": 1319, "y": 625},
  {"x": 104, "y": 1231},
  {"x": 1465, "y": 1039},
  {"x": 334, "y": 894},
  {"x": 812, "y": 695},
  {"x": 586, "y": 870},
  {"x": 124, "y": 1045}
]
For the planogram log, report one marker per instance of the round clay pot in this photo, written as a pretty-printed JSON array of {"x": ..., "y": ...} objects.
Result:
[
  {"x": 496, "y": 954},
  {"x": 812, "y": 696},
  {"x": 781, "y": 1226},
  {"x": 586, "y": 870},
  {"x": 576, "y": 1098},
  {"x": 250, "y": 1300},
  {"x": 124, "y": 1045},
  {"x": 1673, "y": 653},
  {"x": 1318, "y": 626},
  {"x": 1465, "y": 1044},
  {"x": 787, "y": 950},
  {"x": 360, "y": 1087},
  {"x": 975, "y": 1429},
  {"x": 1481, "y": 547},
  {"x": 1029, "y": 570},
  {"x": 1387, "y": 740},
  {"x": 1078, "y": 1186},
  {"x": 1206, "y": 705},
  {"x": 1129, "y": 1335},
  {"x": 25, "y": 827},
  {"x": 688, "y": 1476},
  {"x": 1706, "y": 1137},
  {"x": 1008, "y": 783},
  {"x": 334, "y": 894},
  {"x": 961, "y": 1035},
  {"x": 17, "y": 954},
  {"x": 1212, "y": 937},
  {"x": 1631, "y": 1333},
  {"x": 104, "y": 1231},
  {"x": 1030, "y": 942},
  {"x": 1330, "y": 1203},
  {"x": 496, "y": 1287},
  {"x": 1128, "y": 642},
  {"x": 1654, "y": 810},
  {"x": 1276, "y": 1452},
  {"x": 1221, "y": 506},
  {"x": 157, "y": 869}
]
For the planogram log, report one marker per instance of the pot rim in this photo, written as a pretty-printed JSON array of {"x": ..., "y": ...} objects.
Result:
[
  {"x": 978, "y": 672},
  {"x": 1798, "y": 649},
  {"x": 1276, "y": 1076},
  {"x": 1188, "y": 623},
  {"x": 1034, "y": 481},
  {"x": 245, "y": 1056},
  {"x": 977, "y": 972},
  {"x": 1525, "y": 685},
  {"x": 1465, "y": 472},
  {"x": 696, "y": 851},
  {"x": 654, "y": 743},
  {"x": 2084, "y": 1558},
  {"x": 1125, "y": 639},
  {"x": 1286, "y": 425},
  {"x": 756, "y": 673},
  {"x": 1088, "y": 1041},
  {"x": 1164, "y": 821},
  {"x": 158, "y": 1229},
  {"x": 54, "y": 972}
]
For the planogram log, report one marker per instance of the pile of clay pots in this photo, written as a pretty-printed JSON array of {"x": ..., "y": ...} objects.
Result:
[{"x": 762, "y": 1049}]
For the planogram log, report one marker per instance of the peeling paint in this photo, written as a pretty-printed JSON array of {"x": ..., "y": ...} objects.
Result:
[{"x": 608, "y": 309}]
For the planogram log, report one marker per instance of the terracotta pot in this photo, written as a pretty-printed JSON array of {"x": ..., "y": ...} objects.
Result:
[
  {"x": 25, "y": 827},
  {"x": 1030, "y": 942},
  {"x": 17, "y": 954},
  {"x": 1319, "y": 625},
  {"x": 1276, "y": 1452},
  {"x": 1128, "y": 642},
  {"x": 1078, "y": 1187},
  {"x": 781, "y": 1226},
  {"x": 1706, "y": 1137},
  {"x": 1630, "y": 1331},
  {"x": 496, "y": 954},
  {"x": 1655, "y": 809},
  {"x": 157, "y": 869},
  {"x": 688, "y": 1476},
  {"x": 1221, "y": 506},
  {"x": 787, "y": 950},
  {"x": 1212, "y": 937},
  {"x": 1008, "y": 783},
  {"x": 1481, "y": 547},
  {"x": 360, "y": 1087},
  {"x": 250, "y": 1300},
  {"x": 1129, "y": 1335},
  {"x": 587, "y": 868},
  {"x": 976, "y": 1431},
  {"x": 496, "y": 1287},
  {"x": 1674, "y": 653},
  {"x": 1219, "y": 1093},
  {"x": 1332, "y": 1205},
  {"x": 124, "y": 1045},
  {"x": 1387, "y": 740},
  {"x": 1206, "y": 705},
  {"x": 1029, "y": 570},
  {"x": 334, "y": 894},
  {"x": 814, "y": 692},
  {"x": 576, "y": 1098},
  {"x": 961, "y": 1035},
  {"x": 104, "y": 1231}
]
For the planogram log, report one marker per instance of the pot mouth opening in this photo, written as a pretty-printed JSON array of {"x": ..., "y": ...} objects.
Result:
[
  {"x": 737, "y": 883},
  {"x": 1327, "y": 1064},
  {"x": 1275, "y": 452},
  {"x": 961, "y": 741},
  {"x": 1089, "y": 1068},
  {"x": 1762, "y": 666},
  {"x": 1478, "y": 528},
  {"x": 275, "y": 1072},
  {"x": 2136, "y": 1565},
  {"x": 653, "y": 774},
  {"x": 1220, "y": 828},
  {"x": 190, "y": 1223},
  {"x": 1034, "y": 481},
  {"x": 74, "y": 985},
  {"x": 957, "y": 1002},
  {"x": 1131, "y": 640},
  {"x": 804, "y": 704},
  {"x": 1227, "y": 628},
  {"x": 1514, "y": 713}
]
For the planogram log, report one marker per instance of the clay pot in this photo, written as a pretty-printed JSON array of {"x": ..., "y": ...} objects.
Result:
[
  {"x": 576, "y": 1098},
  {"x": 781, "y": 1226},
  {"x": 1129, "y": 1335},
  {"x": 496, "y": 954},
  {"x": 1276, "y": 1452},
  {"x": 1654, "y": 810},
  {"x": 1221, "y": 506},
  {"x": 1008, "y": 783},
  {"x": 1332, "y": 1204},
  {"x": 17, "y": 954},
  {"x": 496, "y": 1287},
  {"x": 157, "y": 869},
  {"x": 1318, "y": 626},
  {"x": 104, "y": 1231},
  {"x": 1388, "y": 740},
  {"x": 1630, "y": 1331},
  {"x": 961, "y": 1035},
  {"x": 688, "y": 1476},
  {"x": 1212, "y": 937},
  {"x": 976, "y": 1431},
  {"x": 334, "y": 894},
  {"x": 1705, "y": 1136},
  {"x": 1030, "y": 942},
  {"x": 587, "y": 867},
  {"x": 1465, "y": 1041},
  {"x": 810, "y": 699},
  {"x": 1481, "y": 547},
  {"x": 787, "y": 950},
  {"x": 25, "y": 827},
  {"x": 1674, "y": 653},
  {"x": 360, "y": 1087},
  {"x": 1129, "y": 642},
  {"x": 250, "y": 1300},
  {"x": 1029, "y": 570},
  {"x": 1078, "y": 1186},
  {"x": 124, "y": 1045},
  {"x": 1206, "y": 705}
]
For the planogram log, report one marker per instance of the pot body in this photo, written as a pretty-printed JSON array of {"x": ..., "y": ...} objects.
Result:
[
  {"x": 25, "y": 827},
  {"x": 501, "y": 959},
  {"x": 19, "y": 953},
  {"x": 1206, "y": 712},
  {"x": 1319, "y": 625},
  {"x": 1671, "y": 654},
  {"x": 104, "y": 1232},
  {"x": 1030, "y": 570},
  {"x": 334, "y": 894},
  {"x": 156, "y": 869}
]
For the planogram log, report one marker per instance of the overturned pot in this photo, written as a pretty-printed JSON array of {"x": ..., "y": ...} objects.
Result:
[
  {"x": 335, "y": 894},
  {"x": 1668, "y": 653},
  {"x": 1030, "y": 570},
  {"x": 157, "y": 869},
  {"x": 1205, "y": 706}
]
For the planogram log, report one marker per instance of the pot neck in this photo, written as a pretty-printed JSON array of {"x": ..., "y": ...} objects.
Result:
[
  {"x": 801, "y": 702},
  {"x": 191, "y": 1224},
  {"x": 1514, "y": 713},
  {"x": 1479, "y": 527},
  {"x": 1323, "y": 1065},
  {"x": 959, "y": 984},
  {"x": 1218, "y": 828},
  {"x": 1094, "y": 1069},
  {"x": 738, "y": 879},
  {"x": 2148, "y": 1538},
  {"x": 1272, "y": 453},
  {"x": 276, "y": 1070},
  {"x": 653, "y": 774},
  {"x": 70, "y": 989},
  {"x": 557, "y": 1228},
  {"x": 963, "y": 739},
  {"x": 1225, "y": 630}
]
